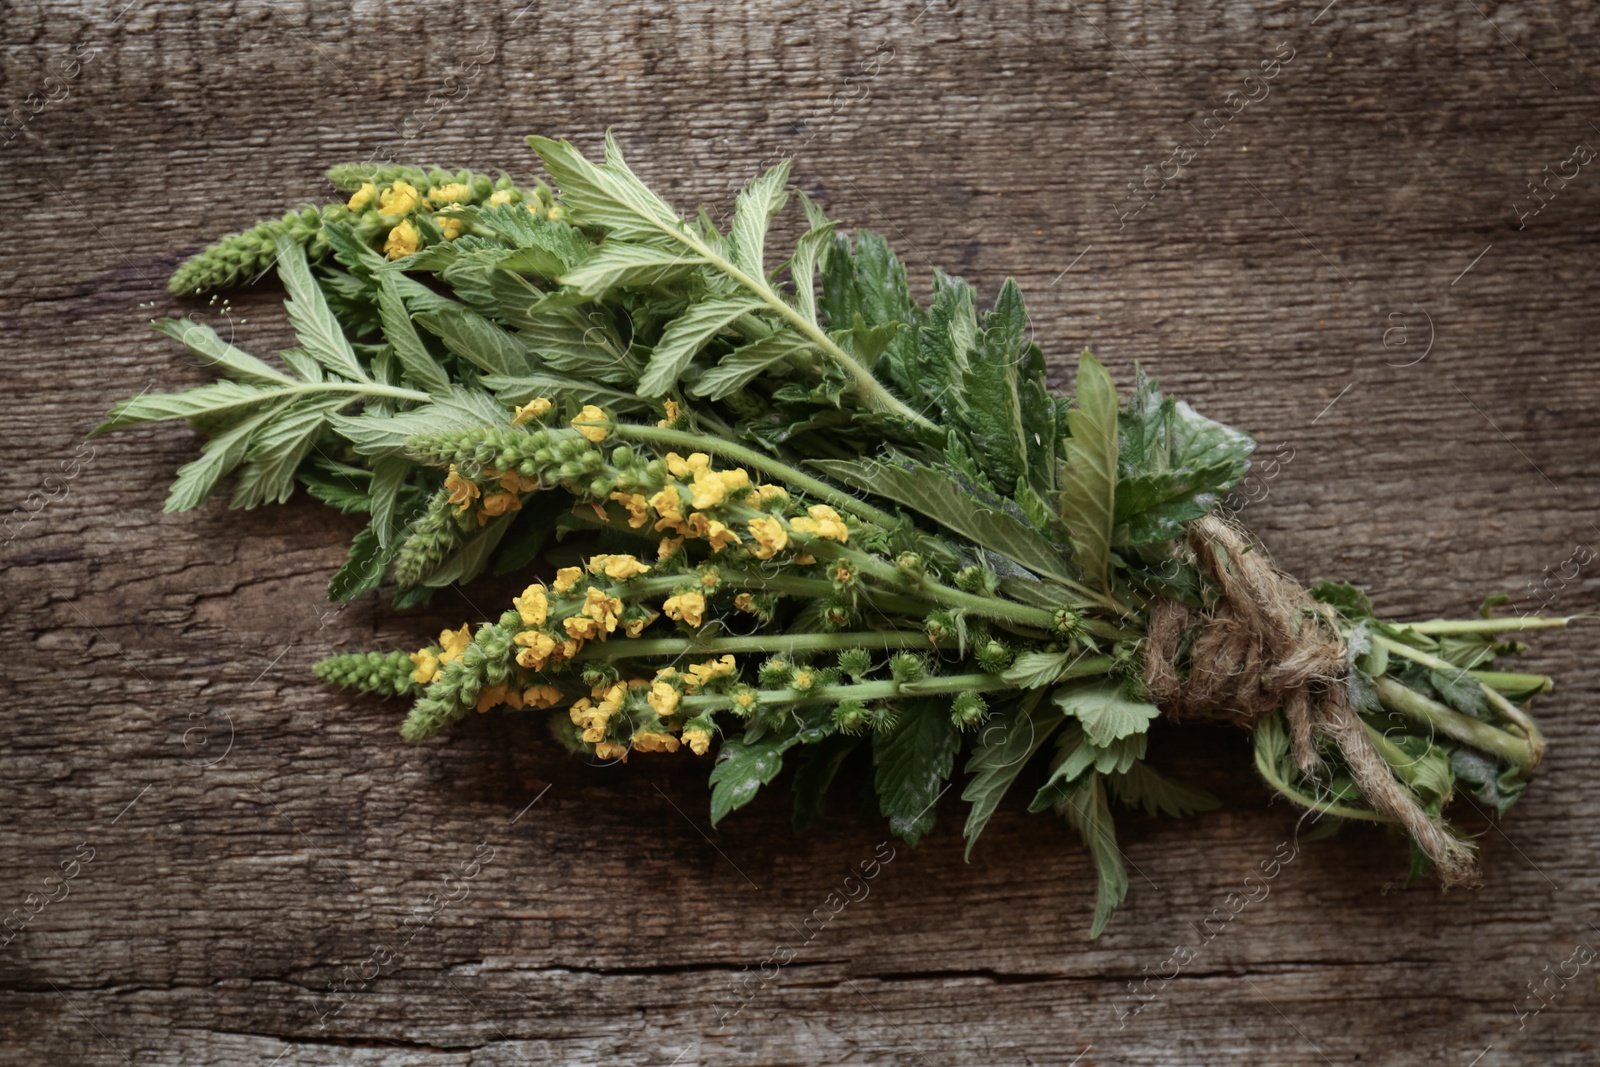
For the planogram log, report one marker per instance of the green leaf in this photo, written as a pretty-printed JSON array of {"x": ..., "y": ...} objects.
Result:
[
  {"x": 1087, "y": 812},
  {"x": 744, "y": 766},
  {"x": 1004, "y": 747},
  {"x": 816, "y": 774},
  {"x": 315, "y": 327},
  {"x": 1141, "y": 787},
  {"x": 204, "y": 401},
  {"x": 202, "y": 341},
  {"x": 1088, "y": 496},
  {"x": 1034, "y": 670},
  {"x": 1106, "y": 712},
  {"x": 1462, "y": 692},
  {"x": 398, "y": 330},
  {"x": 389, "y": 476},
  {"x": 758, "y": 203},
  {"x": 606, "y": 195},
  {"x": 808, "y": 253},
  {"x": 739, "y": 367},
  {"x": 685, "y": 336},
  {"x": 867, "y": 280},
  {"x": 459, "y": 409},
  {"x": 1173, "y": 464},
  {"x": 1344, "y": 598},
  {"x": 1077, "y": 756},
  {"x": 218, "y": 457},
  {"x": 337, "y": 492},
  {"x": 523, "y": 388},
  {"x": 934, "y": 494},
  {"x": 364, "y": 569},
  {"x": 991, "y": 405},
  {"x": 477, "y": 340},
  {"x": 618, "y": 265},
  {"x": 277, "y": 450},
  {"x": 914, "y": 760}
]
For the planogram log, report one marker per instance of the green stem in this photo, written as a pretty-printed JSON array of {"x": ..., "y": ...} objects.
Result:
[
  {"x": 1325, "y": 807},
  {"x": 1515, "y": 714},
  {"x": 1488, "y": 626},
  {"x": 775, "y": 644},
  {"x": 1507, "y": 682},
  {"x": 865, "y": 691},
  {"x": 749, "y": 457},
  {"x": 1400, "y": 698}
]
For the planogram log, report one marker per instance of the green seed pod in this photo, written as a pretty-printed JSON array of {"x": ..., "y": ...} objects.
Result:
[
  {"x": 850, "y": 717},
  {"x": 856, "y": 662},
  {"x": 907, "y": 666},
  {"x": 968, "y": 710}
]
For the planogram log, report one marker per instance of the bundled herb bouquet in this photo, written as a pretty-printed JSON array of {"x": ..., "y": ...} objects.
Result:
[{"x": 770, "y": 507}]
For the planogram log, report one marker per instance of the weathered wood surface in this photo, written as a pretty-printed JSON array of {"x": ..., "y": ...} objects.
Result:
[{"x": 256, "y": 838}]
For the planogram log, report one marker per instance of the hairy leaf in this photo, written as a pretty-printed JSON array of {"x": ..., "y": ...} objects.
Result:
[
  {"x": 914, "y": 761},
  {"x": 1106, "y": 712},
  {"x": 1005, "y": 745},
  {"x": 1088, "y": 496},
  {"x": 686, "y": 335}
]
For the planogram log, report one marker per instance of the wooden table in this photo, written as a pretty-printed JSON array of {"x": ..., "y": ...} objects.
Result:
[{"x": 1346, "y": 258}]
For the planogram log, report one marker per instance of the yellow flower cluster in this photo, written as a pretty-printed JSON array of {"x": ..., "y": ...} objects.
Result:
[
  {"x": 452, "y": 643},
  {"x": 508, "y": 497}
]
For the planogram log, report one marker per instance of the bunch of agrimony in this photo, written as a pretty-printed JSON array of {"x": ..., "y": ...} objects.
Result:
[{"x": 767, "y": 506}]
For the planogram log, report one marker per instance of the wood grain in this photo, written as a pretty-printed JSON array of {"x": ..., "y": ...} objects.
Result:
[{"x": 259, "y": 842}]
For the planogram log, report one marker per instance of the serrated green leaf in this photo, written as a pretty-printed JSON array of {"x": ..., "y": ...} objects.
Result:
[
  {"x": 934, "y": 494},
  {"x": 389, "y": 476},
  {"x": 1088, "y": 495},
  {"x": 1142, "y": 787},
  {"x": 1087, "y": 812},
  {"x": 744, "y": 766},
  {"x": 525, "y": 387},
  {"x": 1034, "y": 670},
  {"x": 398, "y": 330},
  {"x": 816, "y": 774},
  {"x": 1462, "y": 692},
  {"x": 739, "y": 367},
  {"x": 914, "y": 760},
  {"x": 618, "y": 265},
  {"x": 754, "y": 209},
  {"x": 218, "y": 458},
  {"x": 363, "y": 570},
  {"x": 459, "y": 409},
  {"x": 202, "y": 341},
  {"x": 477, "y": 340},
  {"x": 991, "y": 403},
  {"x": 204, "y": 401},
  {"x": 608, "y": 195},
  {"x": 1106, "y": 712},
  {"x": 1173, "y": 463},
  {"x": 315, "y": 327},
  {"x": 1077, "y": 757},
  {"x": 1344, "y": 598},
  {"x": 685, "y": 336},
  {"x": 278, "y": 449},
  {"x": 342, "y": 493},
  {"x": 1005, "y": 745},
  {"x": 808, "y": 253}
]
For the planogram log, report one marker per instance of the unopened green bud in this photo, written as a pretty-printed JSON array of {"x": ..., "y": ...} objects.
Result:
[
  {"x": 907, "y": 666},
  {"x": 856, "y": 662},
  {"x": 968, "y": 710}
]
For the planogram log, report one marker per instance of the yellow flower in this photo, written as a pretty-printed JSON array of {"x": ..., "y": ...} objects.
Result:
[
  {"x": 449, "y": 227},
  {"x": 610, "y": 750},
  {"x": 763, "y": 493},
  {"x": 497, "y": 504},
  {"x": 557, "y": 212},
  {"x": 537, "y": 647},
  {"x": 592, "y": 424},
  {"x": 771, "y": 537},
  {"x": 499, "y": 694},
  {"x": 454, "y": 642},
  {"x": 652, "y": 741},
  {"x": 427, "y": 666},
  {"x": 709, "y": 578},
  {"x": 746, "y": 699},
  {"x": 512, "y": 482},
  {"x": 697, "y": 740},
  {"x": 362, "y": 196},
  {"x": 618, "y": 568},
  {"x": 720, "y": 536},
  {"x": 686, "y": 607},
  {"x": 454, "y": 193},
  {"x": 673, "y": 412},
  {"x": 581, "y": 626},
  {"x": 824, "y": 522},
  {"x": 635, "y": 627},
  {"x": 711, "y": 670},
  {"x": 402, "y": 241},
  {"x": 745, "y": 602},
  {"x": 504, "y": 196},
  {"x": 602, "y": 609},
  {"x": 611, "y": 702},
  {"x": 462, "y": 490},
  {"x": 668, "y": 546},
  {"x": 541, "y": 696},
  {"x": 663, "y": 697},
  {"x": 399, "y": 199},
  {"x": 636, "y": 505},
  {"x": 533, "y": 605},
  {"x": 566, "y": 578},
  {"x": 669, "y": 509},
  {"x": 537, "y": 408},
  {"x": 684, "y": 468},
  {"x": 802, "y": 680}
]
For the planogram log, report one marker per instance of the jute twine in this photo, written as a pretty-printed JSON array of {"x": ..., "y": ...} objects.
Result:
[{"x": 1266, "y": 645}]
